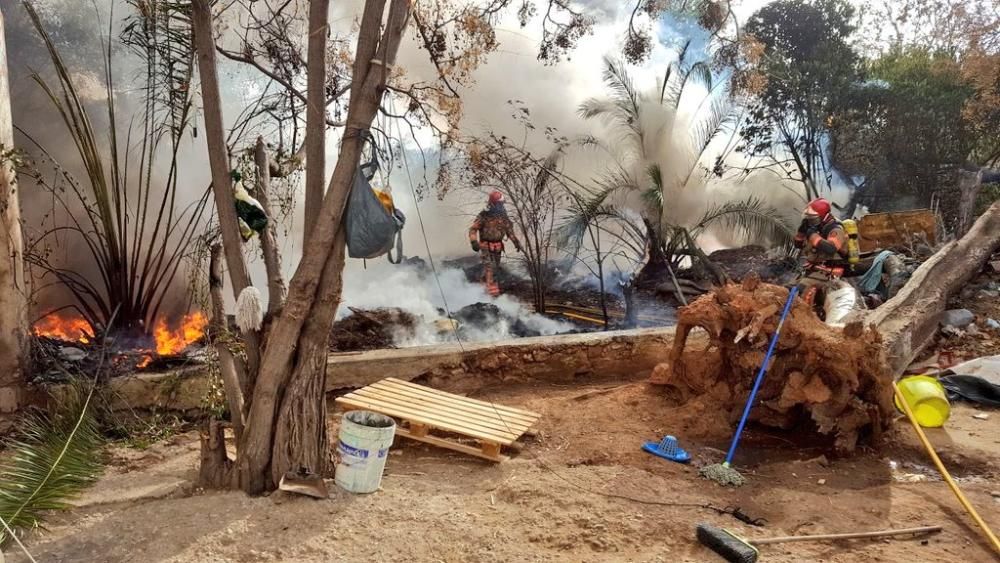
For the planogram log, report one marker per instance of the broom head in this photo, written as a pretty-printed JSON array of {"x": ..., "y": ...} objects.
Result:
[{"x": 727, "y": 544}]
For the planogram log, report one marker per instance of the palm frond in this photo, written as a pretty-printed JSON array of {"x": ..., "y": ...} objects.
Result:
[
  {"x": 545, "y": 171},
  {"x": 624, "y": 92},
  {"x": 752, "y": 216},
  {"x": 584, "y": 209},
  {"x": 53, "y": 459},
  {"x": 719, "y": 116},
  {"x": 622, "y": 107},
  {"x": 653, "y": 196},
  {"x": 701, "y": 73},
  {"x": 655, "y": 175},
  {"x": 592, "y": 108}
]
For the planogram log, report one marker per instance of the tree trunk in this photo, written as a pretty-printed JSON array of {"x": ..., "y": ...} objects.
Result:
[
  {"x": 297, "y": 328},
  {"x": 909, "y": 321},
  {"x": 218, "y": 156},
  {"x": 970, "y": 182},
  {"x": 214, "y": 470},
  {"x": 631, "y": 311},
  {"x": 315, "y": 113},
  {"x": 656, "y": 263},
  {"x": 233, "y": 377},
  {"x": 301, "y": 438},
  {"x": 268, "y": 239},
  {"x": 13, "y": 291}
]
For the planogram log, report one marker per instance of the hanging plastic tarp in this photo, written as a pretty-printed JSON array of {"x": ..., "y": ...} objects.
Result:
[{"x": 373, "y": 224}]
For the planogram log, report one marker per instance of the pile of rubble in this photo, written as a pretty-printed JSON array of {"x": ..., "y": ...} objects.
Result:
[
  {"x": 371, "y": 329},
  {"x": 58, "y": 361}
]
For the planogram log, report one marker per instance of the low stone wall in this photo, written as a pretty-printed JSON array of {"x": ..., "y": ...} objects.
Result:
[
  {"x": 452, "y": 367},
  {"x": 462, "y": 368}
]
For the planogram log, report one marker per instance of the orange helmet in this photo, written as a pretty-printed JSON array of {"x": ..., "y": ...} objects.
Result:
[{"x": 495, "y": 197}]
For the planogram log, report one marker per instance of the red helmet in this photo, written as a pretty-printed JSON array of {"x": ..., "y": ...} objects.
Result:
[
  {"x": 818, "y": 206},
  {"x": 495, "y": 197}
]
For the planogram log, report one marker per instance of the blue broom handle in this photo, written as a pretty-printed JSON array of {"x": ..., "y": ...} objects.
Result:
[{"x": 760, "y": 375}]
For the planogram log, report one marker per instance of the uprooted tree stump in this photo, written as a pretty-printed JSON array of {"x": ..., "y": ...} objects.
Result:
[{"x": 833, "y": 381}]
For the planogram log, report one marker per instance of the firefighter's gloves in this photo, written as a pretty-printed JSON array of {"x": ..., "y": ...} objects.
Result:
[
  {"x": 807, "y": 228},
  {"x": 475, "y": 245}
]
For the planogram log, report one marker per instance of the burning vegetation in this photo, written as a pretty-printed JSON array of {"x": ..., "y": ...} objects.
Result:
[{"x": 73, "y": 339}]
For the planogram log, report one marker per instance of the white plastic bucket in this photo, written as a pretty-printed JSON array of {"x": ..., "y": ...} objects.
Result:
[{"x": 365, "y": 438}]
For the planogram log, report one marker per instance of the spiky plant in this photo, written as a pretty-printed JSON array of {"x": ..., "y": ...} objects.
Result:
[
  {"x": 53, "y": 458},
  {"x": 130, "y": 225},
  {"x": 656, "y": 157}
]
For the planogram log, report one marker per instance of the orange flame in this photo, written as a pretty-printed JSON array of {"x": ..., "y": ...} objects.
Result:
[
  {"x": 70, "y": 329},
  {"x": 171, "y": 341}
]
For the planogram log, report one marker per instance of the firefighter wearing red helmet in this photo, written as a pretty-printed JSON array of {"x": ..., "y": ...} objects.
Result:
[
  {"x": 486, "y": 236},
  {"x": 824, "y": 246}
]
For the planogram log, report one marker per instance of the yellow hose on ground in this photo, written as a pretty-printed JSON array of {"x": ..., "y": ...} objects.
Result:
[{"x": 944, "y": 472}]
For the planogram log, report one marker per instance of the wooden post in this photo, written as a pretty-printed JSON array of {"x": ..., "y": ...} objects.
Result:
[{"x": 13, "y": 292}]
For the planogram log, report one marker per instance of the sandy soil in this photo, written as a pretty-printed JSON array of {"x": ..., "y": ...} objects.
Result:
[{"x": 581, "y": 491}]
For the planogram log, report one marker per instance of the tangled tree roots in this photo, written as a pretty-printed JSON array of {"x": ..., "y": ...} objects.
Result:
[{"x": 836, "y": 381}]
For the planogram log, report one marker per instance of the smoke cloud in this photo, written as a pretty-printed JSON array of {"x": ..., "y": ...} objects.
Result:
[
  {"x": 418, "y": 292},
  {"x": 552, "y": 93}
]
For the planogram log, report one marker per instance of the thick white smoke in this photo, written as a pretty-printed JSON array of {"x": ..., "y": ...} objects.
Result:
[{"x": 382, "y": 284}]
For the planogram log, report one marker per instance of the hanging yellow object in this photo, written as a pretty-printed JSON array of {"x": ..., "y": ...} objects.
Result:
[
  {"x": 386, "y": 199},
  {"x": 853, "y": 243}
]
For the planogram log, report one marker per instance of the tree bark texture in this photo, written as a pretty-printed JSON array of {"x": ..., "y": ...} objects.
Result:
[
  {"x": 314, "y": 289},
  {"x": 218, "y": 156},
  {"x": 315, "y": 113},
  {"x": 301, "y": 438},
  {"x": 233, "y": 382},
  {"x": 970, "y": 182},
  {"x": 13, "y": 291},
  {"x": 909, "y": 321},
  {"x": 268, "y": 239}
]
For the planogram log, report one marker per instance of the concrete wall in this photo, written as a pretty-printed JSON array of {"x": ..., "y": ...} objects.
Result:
[{"x": 452, "y": 367}]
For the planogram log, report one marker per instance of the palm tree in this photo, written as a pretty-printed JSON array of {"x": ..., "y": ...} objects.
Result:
[{"x": 656, "y": 154}]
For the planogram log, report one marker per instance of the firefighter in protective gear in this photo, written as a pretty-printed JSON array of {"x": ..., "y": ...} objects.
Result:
[
  {"x": 486, "y": 236},
  {"x": 824, "y": 245}
]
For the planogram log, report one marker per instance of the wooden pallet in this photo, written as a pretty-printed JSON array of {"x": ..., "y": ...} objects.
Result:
[{"x": 425, "y": 409}]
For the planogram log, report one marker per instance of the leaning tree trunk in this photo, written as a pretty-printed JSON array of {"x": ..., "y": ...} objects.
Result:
[
  {"x": 218, "y": 156},
  {"x": 230, "y": 368},
  {"x": 909, "y": 321},
  {"x": 13, "y": 293},
  {"x": 294, "y": 342},
  {"x": 304, "y": 403}
]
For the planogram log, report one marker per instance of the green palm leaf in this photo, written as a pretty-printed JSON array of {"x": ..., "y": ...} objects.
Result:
[
  {"x": 54, "y": 458},
  {"x": 751, "y": 216},
  {"x": 584, "y": 208}
]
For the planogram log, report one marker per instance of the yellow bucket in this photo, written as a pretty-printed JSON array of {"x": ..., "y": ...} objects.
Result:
[{"x": 927, "y": 400}]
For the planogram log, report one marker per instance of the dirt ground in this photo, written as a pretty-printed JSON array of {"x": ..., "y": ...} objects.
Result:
[{"x": 580, "y": 491}]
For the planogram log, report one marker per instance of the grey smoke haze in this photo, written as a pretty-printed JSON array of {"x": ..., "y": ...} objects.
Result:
[{"x": 551, "y": 92}]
